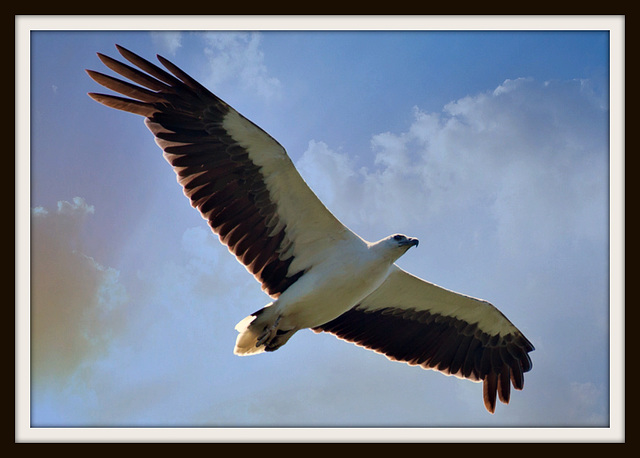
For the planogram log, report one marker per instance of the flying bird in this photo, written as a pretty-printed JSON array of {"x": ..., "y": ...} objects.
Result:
[{"x": 318, "y": 273}]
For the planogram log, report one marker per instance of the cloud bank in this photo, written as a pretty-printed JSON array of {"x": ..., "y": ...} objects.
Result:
[{"x": 531, "y": 153}]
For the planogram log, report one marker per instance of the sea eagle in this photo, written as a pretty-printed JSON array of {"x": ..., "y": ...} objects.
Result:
[{"x": 318, "y": 273}]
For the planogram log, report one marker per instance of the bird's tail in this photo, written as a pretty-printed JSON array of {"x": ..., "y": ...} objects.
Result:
[
  {"x": 247, "y": 340},
  {"x": 259, "y": 332}
]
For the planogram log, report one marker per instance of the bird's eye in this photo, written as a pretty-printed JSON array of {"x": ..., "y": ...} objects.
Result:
[{"x": 397, "y": 237}]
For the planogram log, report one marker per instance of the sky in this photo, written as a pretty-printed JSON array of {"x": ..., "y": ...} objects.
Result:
[{"x": 491, "y": 147}]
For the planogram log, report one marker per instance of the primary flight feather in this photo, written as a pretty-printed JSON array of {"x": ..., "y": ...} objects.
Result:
[{"x": 319, "y": 273}]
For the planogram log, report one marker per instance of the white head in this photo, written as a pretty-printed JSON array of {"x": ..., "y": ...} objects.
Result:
[{"x": 394, "y": 246}]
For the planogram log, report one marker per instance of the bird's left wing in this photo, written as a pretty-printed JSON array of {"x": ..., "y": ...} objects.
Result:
[
  {"x": 414, "y": 321},
  {"x": 240, "y": 179}
]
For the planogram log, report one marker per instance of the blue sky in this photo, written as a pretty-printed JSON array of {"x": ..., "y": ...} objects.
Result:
[{"x": 501, "y": 139}]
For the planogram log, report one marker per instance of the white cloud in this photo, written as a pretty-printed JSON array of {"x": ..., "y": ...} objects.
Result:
[
  {"x": 534, "y": 155},
  {"x": 237, "y": 57}
]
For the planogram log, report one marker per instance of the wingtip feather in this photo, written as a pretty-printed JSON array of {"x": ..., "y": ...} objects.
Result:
[
  {"x": 489, "y": 391},
  {"x": 123, "y": 104}
]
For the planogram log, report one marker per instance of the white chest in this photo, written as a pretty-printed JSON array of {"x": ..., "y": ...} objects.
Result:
[{"x": 331, "y": 288}]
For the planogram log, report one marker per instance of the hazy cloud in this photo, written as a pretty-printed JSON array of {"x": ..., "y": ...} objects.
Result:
[
  {"x": 74, "y": 300},
  {"x": 168, "y": 42}
]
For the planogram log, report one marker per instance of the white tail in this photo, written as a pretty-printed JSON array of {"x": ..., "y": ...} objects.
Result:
[{"x": 247, "y": 339}]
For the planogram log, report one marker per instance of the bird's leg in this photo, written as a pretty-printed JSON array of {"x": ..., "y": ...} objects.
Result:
[{"x": 268, "y": 333}]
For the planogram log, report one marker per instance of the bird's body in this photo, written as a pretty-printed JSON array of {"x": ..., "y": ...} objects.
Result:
[
  {"x": 348, "y": 272},
  {"x": 318, "y": 273}
]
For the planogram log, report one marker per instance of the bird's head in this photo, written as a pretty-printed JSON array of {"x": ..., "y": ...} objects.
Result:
[
  {"x": 402, "y": 241},
  {"x": 395, "y": 245}
]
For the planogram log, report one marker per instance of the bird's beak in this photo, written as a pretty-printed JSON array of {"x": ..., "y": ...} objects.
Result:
[{"x": 411, "y": 242}]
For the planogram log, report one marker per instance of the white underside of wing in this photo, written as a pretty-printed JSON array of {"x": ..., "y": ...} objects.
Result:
[
  {"x": 406, "y": 291},
  {"x": 311, "y": 227}
]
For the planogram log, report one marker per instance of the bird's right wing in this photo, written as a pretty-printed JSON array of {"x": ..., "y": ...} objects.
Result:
[
  {"x": 411, "y": 320},
  {"x": 240, "y": 179}
]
